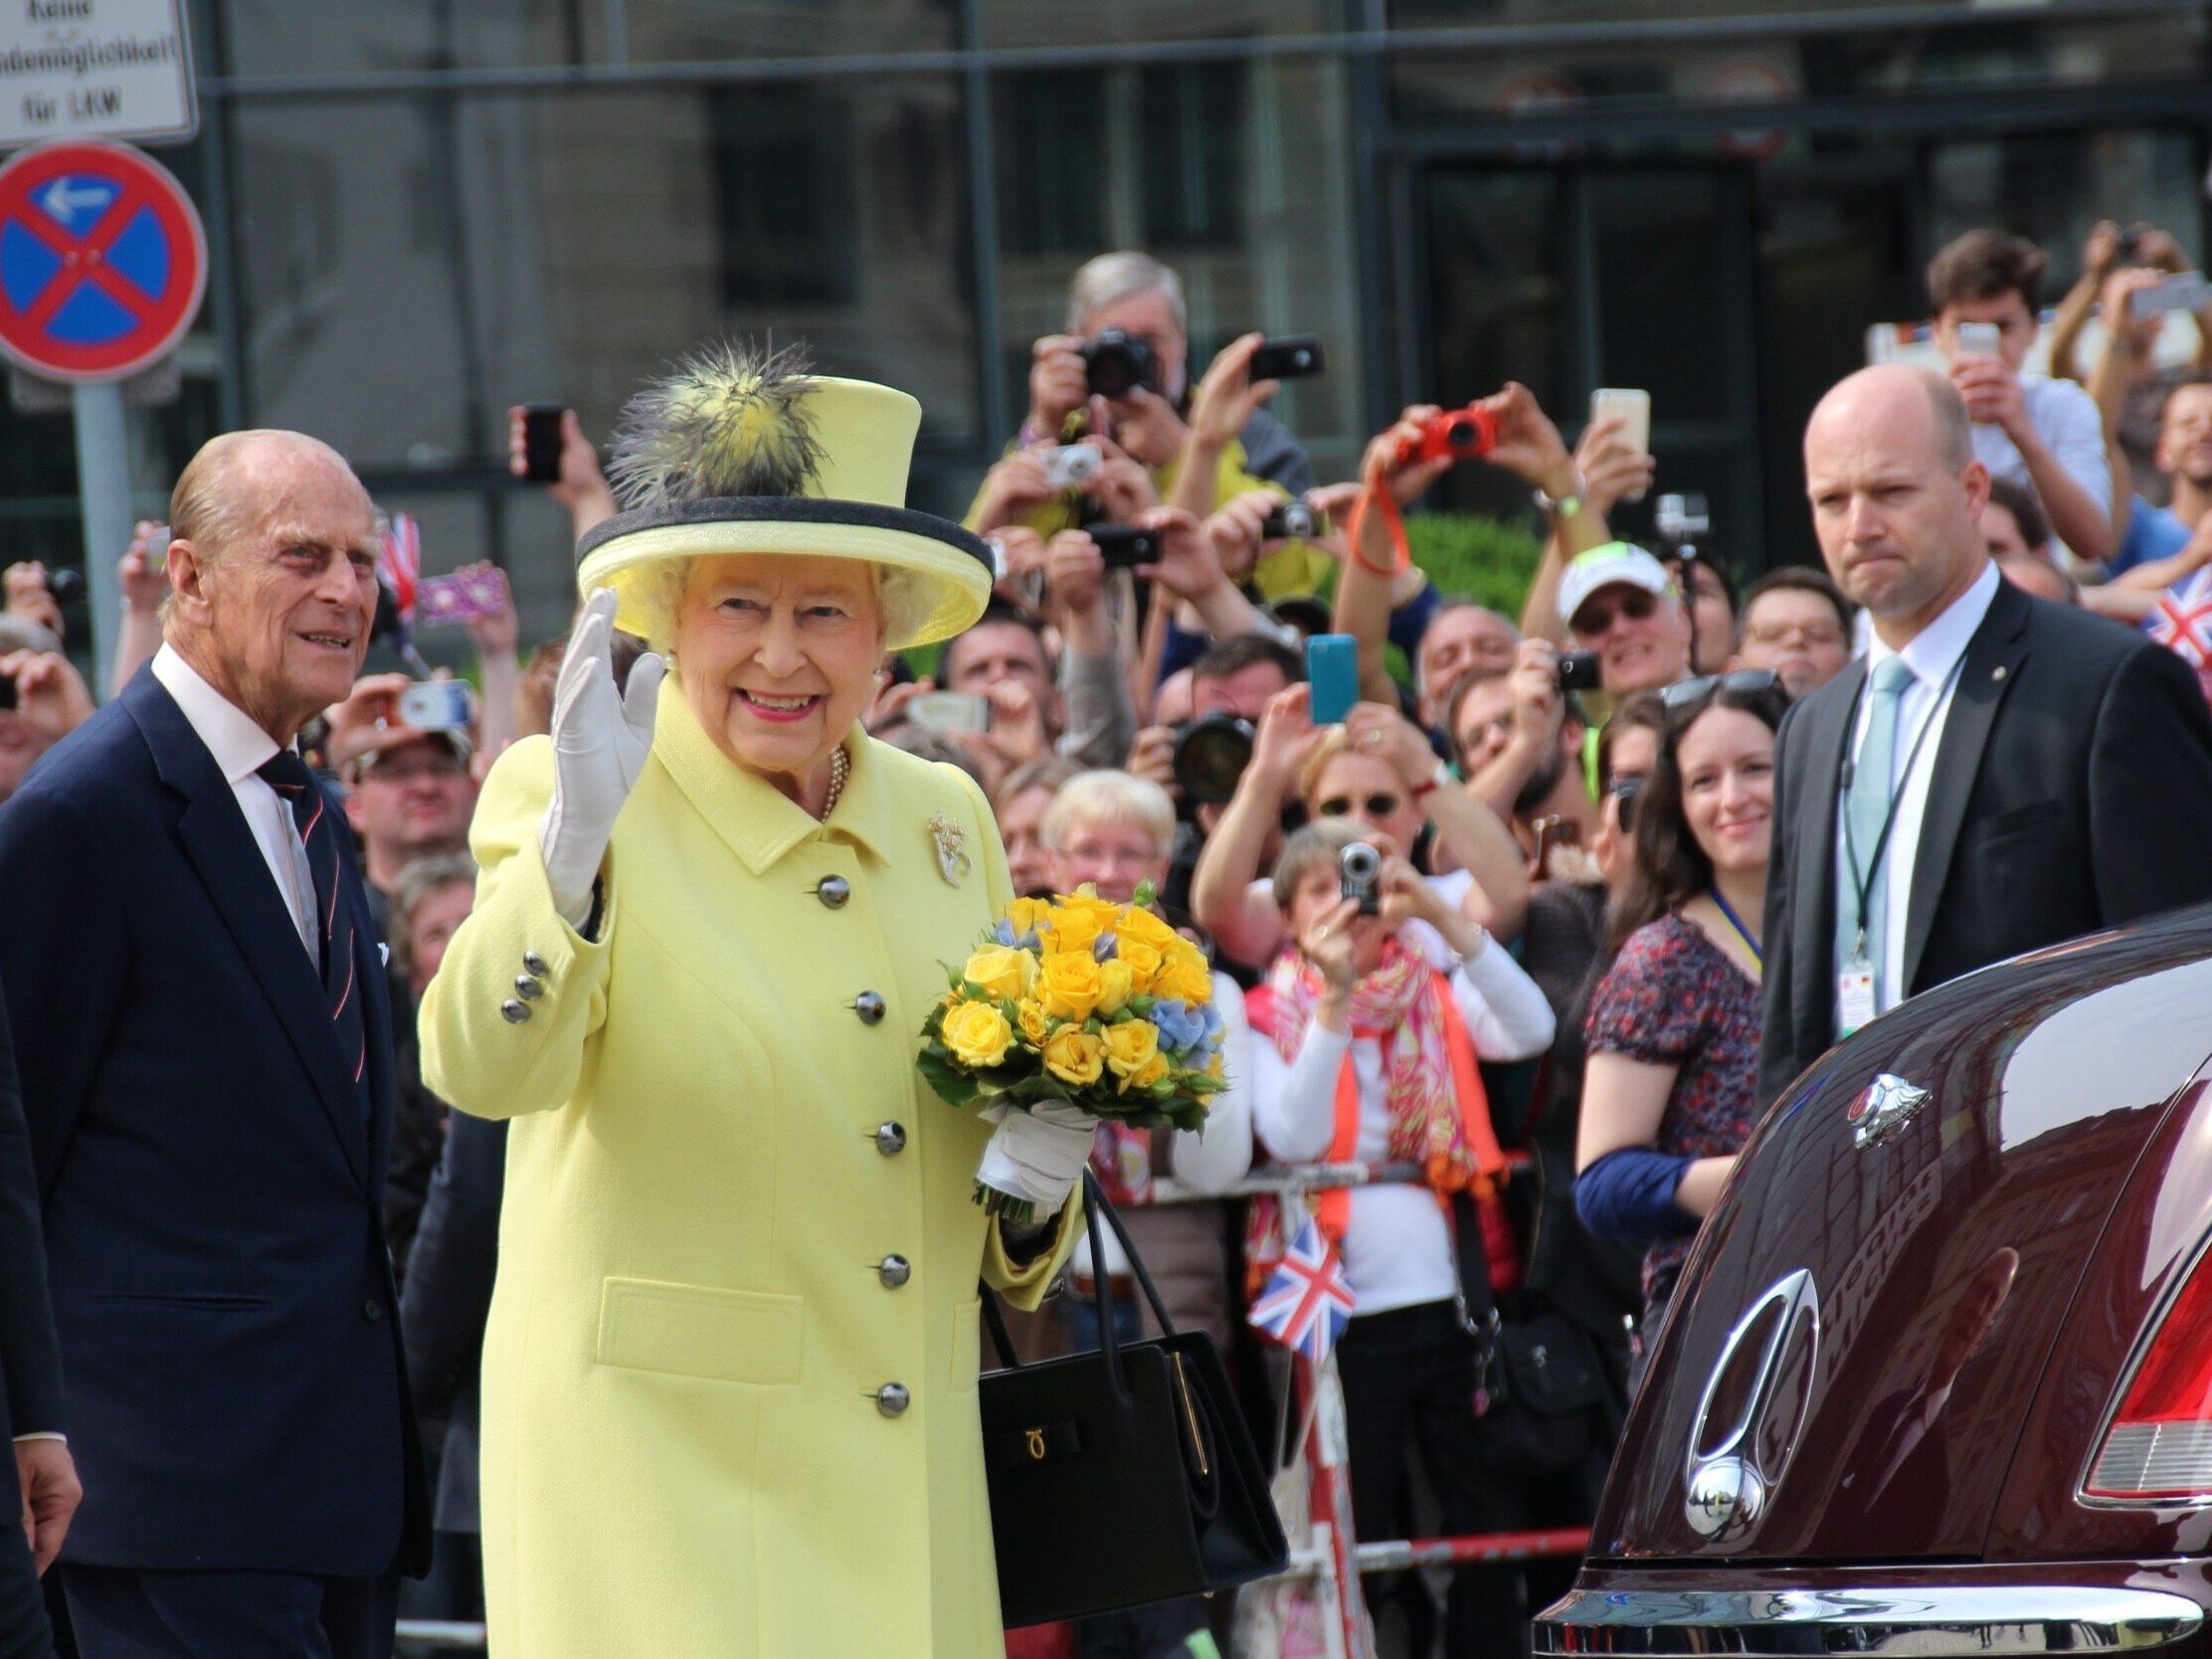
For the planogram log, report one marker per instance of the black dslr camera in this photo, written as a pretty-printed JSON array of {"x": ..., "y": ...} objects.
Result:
[
  {"x": 1210, "y": 754},
  {"x": 1117, "y": 363}
]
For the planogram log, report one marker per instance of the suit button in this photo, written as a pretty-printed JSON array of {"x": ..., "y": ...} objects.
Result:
[
  {"x": 890, "y": 1139},
  {"x": 892, "y": 1399},
  {"x": 372, "y": 1310},
  {"x": 894, "y": 1271},
  {"x": 869, "y": 1007},
  {"x": 833, "y": 891},
  {"x": 527, "y": 988},
  {"x": 513, "y": 1011},
  {"x": 534, "y": 965}
]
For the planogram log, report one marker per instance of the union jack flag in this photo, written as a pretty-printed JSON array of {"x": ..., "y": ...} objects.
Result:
[
  {"x": 399, "y": 561},
  {"x": 1306, "y": 1303}
]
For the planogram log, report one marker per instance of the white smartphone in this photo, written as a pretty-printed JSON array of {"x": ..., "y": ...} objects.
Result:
[
  {"x": 1631, "y": 405},
  {"x": 950, "y": 711},
  {"x": 1977, "y": 339}
]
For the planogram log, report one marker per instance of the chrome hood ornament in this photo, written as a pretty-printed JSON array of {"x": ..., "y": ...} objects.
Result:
[
  {"x": 1886, "y": 1107},
  {"x": 1753, "y": 1410}
]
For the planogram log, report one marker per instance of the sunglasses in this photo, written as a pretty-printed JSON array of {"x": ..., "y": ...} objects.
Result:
[
  {"x": 1345, "y": 806},
  {"x": 1743, "y": 683},
  {"x": 1636, "y": 605}
]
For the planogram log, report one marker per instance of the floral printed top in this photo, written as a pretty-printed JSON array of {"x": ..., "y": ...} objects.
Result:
[{"x": 1673, "y": 998}]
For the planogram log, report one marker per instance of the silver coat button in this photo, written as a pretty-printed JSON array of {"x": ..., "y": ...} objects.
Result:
[
  {"x": 527, "y": 988},
  {"x": 892, "y": 1399},
  {"x": 514, "y": 1011},
  {"x": 833, "y": 891},
  {"x": 890, "y": 1139},
  {"x": 869, "y": 1007},
  {"x": 534, "y": 965},
  {"x": 894, "y": 1271}
]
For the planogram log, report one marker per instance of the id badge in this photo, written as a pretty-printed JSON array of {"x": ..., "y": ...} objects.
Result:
[{"x": 1854, "y": 995}]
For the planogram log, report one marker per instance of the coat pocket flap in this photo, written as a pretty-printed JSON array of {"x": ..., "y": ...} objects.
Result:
[{"x": 731, "y": 1336}]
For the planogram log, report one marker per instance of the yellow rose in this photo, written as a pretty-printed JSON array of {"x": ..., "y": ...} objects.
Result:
[
  {"x": 1028, "y": 914},
  {"x": 1130, "y": 1046},
  {"x": 1116, "y": 985},
  {"x": 1143, "y": 924},
  {"x": 1069, "y": 984},
  {"x": 1002, "y": 974},
  {"x": 1074, "y": 1056},
  {"x": 1184, "y": 976},
  {"x": 1031, "y": 1016},
  {"x": 1142, "y": 959},
  {"x": 1078, "y": 920},
  {"x": 1151, "y": 1072},
  {"x": 978, "y": 1034}
]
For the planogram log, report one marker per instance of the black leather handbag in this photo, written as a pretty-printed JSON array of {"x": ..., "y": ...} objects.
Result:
[{"x": 1121, "y": 1476}]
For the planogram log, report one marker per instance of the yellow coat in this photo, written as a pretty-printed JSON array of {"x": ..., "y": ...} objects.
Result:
[{"x": 684, "y": 1450}]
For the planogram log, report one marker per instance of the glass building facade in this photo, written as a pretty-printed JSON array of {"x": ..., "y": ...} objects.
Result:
[{"x": 422, "y": 211}]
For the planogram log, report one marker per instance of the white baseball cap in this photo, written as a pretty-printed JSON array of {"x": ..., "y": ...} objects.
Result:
[{"x": 1617, "y": 561}]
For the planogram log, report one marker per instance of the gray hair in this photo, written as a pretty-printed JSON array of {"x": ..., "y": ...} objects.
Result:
[
  {"x": 1109, "y": 796},
  {"x": 1308, "y": 849},
  {"x": 417, "y": 882},
  {"x": 1112, "y": 278}
]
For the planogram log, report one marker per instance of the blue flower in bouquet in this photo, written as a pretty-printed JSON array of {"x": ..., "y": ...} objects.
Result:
[
  {"x": 1104, "y": 947},
  {"x": 1181, "y": 1027},
  {"x": 1007, "y": 939}
]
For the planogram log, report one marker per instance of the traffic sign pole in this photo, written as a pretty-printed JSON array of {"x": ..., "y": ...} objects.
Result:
[{"x": 103, "y": 499}]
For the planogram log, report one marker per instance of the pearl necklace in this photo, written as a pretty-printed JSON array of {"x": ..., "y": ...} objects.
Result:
[{"x": 841, "y": 768}]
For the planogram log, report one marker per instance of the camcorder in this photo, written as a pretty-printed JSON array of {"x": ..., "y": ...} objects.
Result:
[
  {"x": 1360, "y": 876},
  {"x": 1452, "y": 434},
  {"x": 1117, "y": 363},
  {"x": 1210, "y": 754}
]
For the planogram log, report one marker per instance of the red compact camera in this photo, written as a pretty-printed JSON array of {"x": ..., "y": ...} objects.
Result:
[{"x": 1453, "y": 435}]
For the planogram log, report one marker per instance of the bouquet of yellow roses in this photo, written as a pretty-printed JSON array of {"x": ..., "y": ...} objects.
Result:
[{"x": 1080, "y": 999}]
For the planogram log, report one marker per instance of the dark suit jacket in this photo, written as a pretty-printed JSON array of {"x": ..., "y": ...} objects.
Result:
[
  {"x": 30, "y": 1358},
  {"x": 448, "y": 1298},
  {"x": 212, "y": 1194},
  {"x": 2072, "y": 790}
]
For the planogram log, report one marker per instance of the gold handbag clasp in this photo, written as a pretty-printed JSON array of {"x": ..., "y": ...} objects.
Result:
[{"x": 1037, "y": 1444}]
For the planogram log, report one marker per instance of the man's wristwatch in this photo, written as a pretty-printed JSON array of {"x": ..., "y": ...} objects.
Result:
[{"x": 1560, "y": 506}]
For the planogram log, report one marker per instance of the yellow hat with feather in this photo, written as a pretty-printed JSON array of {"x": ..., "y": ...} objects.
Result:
[{"x": 741, "y": 452}]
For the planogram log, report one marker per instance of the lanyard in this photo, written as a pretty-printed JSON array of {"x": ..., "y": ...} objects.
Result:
[
  {"x": 1736, "y": 922},
  {"x": 1863, "y": 884}
]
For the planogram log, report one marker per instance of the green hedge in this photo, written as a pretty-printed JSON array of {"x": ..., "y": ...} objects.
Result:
[{"x": 1470, "y": 556}]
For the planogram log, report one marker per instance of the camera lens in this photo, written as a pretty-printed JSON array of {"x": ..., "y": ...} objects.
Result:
[
  {"x": 1462, "y": 435},
  {"x": 1359, "y": 861},
  {"x": 1211, "y": 756},
  {"x": 64, "y": 585}
]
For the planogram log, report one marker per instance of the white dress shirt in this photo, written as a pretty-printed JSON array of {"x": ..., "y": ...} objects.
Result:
[
  {"x": 241, "y": 747},
  {"x": 2065, "y": 417},
  {"x": 1932, "y": 654},
  {"x": 1397, "y": 1244}
]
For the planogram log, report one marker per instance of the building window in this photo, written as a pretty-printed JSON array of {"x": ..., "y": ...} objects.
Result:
[
  {"x": 783, "y": 170},
  {"x": 1192, "y": 131}
]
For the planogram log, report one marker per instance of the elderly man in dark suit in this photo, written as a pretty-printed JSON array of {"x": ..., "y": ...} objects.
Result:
[
  {"x": 1999, "y": 774},
  {"x": 206, "y": 1054}
]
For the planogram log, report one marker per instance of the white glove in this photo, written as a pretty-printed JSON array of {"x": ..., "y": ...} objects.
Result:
[
  {"x": 601, "y": 737},
  {"x": 1037, "y": 1154}
]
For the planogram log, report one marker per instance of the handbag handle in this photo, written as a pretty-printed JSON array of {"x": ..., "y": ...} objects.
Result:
[{"x": 1095, "y": 1204}]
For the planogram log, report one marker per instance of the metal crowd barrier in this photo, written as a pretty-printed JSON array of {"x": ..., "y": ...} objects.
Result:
[{"x": 1330, "y": 1552}]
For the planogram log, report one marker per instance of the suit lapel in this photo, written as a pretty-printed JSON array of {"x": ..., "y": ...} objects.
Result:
[
  {"x": 1993, "y": 657},
  {"x": 1827, "y": 734},
  {"x": 222, "y": 851}
]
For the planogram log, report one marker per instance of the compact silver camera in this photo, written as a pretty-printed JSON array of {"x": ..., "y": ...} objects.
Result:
[
  {"x": 1070, "y": 466},
  {"x": 1360, "y": 875}
]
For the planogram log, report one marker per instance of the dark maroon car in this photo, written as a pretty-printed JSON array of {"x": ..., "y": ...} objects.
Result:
[{"x": 1939, "y": 1375}]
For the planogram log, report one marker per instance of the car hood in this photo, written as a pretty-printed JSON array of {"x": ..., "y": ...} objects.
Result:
[{"x": 1855, "y": 1338}]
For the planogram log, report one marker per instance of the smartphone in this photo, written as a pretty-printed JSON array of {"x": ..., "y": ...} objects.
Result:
[
  {"x": 1332, "y": 673},
  {"x": 1979, "y": 339},
  {"x": 950, "y": 711},
  {"x": 158, "y": 547},
  {"x": 1578, "y": 671},
  {"x": 437, "y": 705},
  {"x": 1631, "y": 405},
  {"x": 2187, "y": 291},
  {"x": 541, "y": 441},
  {"x": 444, "y": 601},
  {"x": 1067, "y": 466},
  {"x": 1289, "y": 357},
  {"x": 1124, "y": 545}
]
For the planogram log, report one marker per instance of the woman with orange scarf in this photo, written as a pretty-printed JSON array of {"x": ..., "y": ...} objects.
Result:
[{"x": 1378, "y": 1021}]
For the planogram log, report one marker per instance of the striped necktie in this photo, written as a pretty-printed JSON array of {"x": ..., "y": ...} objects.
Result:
[{"x": 286, "y": 773}]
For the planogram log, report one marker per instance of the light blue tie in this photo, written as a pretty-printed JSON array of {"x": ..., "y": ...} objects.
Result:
[{"x": 1866, "y": 808}]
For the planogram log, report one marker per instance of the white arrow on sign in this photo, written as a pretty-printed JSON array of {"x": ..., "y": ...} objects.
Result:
[{"x": 61, "y": 202}]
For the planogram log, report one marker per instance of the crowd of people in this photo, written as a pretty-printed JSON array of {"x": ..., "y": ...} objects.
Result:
[{"x": 1639, "y": 856}]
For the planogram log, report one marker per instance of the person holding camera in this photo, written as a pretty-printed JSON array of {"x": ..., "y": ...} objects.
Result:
[
  {"x": 1519, "y": 739},
  {"x": 1376, "y": 767},
  {"x": 1375, "y": 1045},
  {"x": 1623, "y": 606},
  {"x": 1670, "y": 1082},
  {"x": 43, "y": 698}
]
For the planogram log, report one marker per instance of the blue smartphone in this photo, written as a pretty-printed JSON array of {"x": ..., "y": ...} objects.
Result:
[{"x": 1333, "y": 670}]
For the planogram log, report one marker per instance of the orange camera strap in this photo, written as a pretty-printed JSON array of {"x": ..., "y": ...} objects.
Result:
[{"x": 1376, "y": 496}]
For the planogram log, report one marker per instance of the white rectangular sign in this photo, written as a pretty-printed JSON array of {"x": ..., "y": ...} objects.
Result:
[{"x": 94, "y": 69}]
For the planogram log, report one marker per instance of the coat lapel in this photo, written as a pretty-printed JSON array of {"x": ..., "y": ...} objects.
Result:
[
  {"x": 222, "y": 851},
  {"x": 1993, "y": 657},
  {"x": 1827, "y": 734}
]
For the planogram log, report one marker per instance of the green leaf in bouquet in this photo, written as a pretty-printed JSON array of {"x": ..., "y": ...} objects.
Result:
[
  {"x": 1147, "y": 892},
  {"x": 955, "y": 1086},
  {"x": 1143, "y": 1005}
]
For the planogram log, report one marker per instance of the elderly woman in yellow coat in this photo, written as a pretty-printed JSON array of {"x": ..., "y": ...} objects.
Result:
[{"x": 729, "y": 1385}]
